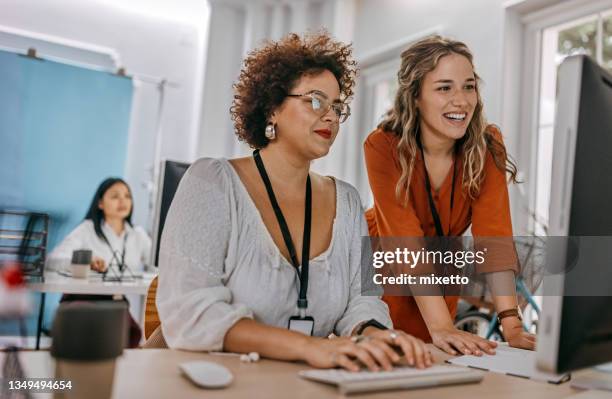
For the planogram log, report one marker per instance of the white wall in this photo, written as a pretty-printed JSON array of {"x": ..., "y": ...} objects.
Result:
[
  {"x": 172, "y": 40},
  {"x": 151, "y": 39},
  {"x": 478, "y": 23},
  {"x": 236, "y": 27},
  {"x": 372, "y": 25},
  {"x": 482, "y": 25}
]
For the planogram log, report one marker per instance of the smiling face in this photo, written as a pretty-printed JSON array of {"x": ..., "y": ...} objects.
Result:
[
  {"x": 116, "y": 203},
  {"x": 299, "y": 127},
  {"x": 448, "y": 98}
]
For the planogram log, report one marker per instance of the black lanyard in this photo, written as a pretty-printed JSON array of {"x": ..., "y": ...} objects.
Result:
[
  {"x": 302, "y": 302},
  {"x": 434, "y": 210},
  {"x": 432, "y": 205},
  {"x": 121, "y": 264}
]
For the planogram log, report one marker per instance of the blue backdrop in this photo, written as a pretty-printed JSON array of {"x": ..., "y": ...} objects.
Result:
[{"x": 63, "y": 129}]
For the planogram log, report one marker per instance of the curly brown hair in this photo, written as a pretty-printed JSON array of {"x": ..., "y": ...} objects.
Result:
[{"x": 270, "y": 72}]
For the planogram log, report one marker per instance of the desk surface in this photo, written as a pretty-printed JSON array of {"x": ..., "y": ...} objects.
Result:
[
  {"x": 153, "y": 373},
  {"x": 55, "y": 282}
]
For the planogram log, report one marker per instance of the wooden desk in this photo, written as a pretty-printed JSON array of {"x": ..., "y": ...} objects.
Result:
[{"x": 153, "y": 373}]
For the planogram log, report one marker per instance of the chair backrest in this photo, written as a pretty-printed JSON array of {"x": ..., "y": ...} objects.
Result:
[
  {"x": 156, "y": 340},
  {"x": 151, "y": 317}
]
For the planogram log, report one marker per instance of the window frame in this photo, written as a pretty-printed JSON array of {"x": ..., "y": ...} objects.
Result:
[
  {"x": 375, "y": 67},
  {"x": 524, "y": 25}
]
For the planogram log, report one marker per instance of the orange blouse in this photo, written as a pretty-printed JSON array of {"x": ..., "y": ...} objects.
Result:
[{"x": 489, "y": 213}]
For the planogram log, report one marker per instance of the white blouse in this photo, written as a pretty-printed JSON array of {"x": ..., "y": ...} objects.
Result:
[
  {"x": 219, "y": 264},
  {"x": 137, "y": 245}
]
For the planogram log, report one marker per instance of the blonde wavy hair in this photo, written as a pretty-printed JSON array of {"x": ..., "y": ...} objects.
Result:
[{"x": 418, "y": 60}]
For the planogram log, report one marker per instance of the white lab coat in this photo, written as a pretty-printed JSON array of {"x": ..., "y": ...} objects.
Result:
[
  {"x": 137, "y": 251},
  {"x": 137, "y": 246}
]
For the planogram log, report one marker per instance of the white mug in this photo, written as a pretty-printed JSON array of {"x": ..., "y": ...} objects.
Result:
[
  {"x": 79, "y": 271},
  {"x": 79, "y": 266}
]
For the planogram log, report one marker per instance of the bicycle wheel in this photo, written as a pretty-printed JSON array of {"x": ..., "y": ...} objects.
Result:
[
  {"x": 530, "y": 318},
  {"x": 478, "y": 323}
]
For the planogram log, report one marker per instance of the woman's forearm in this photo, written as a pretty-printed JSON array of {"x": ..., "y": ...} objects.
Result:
[
  {"x": 503, "y": 289},
  {"x": 272, "y": 342},
  {"x": 434, "y": 311},
  {"x": 505, "y": 302}
]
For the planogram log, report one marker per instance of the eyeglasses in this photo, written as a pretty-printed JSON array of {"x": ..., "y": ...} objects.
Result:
[{"x": 321, "y": 105}]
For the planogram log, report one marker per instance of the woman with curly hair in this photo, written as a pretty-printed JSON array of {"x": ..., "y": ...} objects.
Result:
[
  {"x": 435, "y": 168},
  {"x": 262, "y": 254}
]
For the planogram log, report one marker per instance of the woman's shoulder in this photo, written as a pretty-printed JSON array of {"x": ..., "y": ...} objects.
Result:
[
  {"x": 83, "y": 231},
  {"x": 208, "y": 174},
  {"x": 205, "y": 177},
  {"x": 344, "y": 190},
  {"x": 209, "y": 169},
  {"x": 141, "y": 232},
  {"x": 493, "y": 131},
  {"x": 381, "y": 152},
  {"x": 495, "y": 143},
  {"x": 86, "y": 226},
  {"x": 347, "y": 197},
  {"x": 496, "y": 155},
  {"x": 345, "y": 187},
  {"x": 381, "y": 138}
]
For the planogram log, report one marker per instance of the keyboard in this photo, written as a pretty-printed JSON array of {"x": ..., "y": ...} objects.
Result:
[{"x": 399, "y": 378}]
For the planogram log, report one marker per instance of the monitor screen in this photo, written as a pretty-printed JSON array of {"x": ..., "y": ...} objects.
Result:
[
  {"x": 170, "y": 175},
  {"x": 576, "y": 328}
]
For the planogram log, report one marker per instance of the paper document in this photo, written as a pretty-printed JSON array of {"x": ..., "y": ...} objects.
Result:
[{"x": 510, "y": 361}]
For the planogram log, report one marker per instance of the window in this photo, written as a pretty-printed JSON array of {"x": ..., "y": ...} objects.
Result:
[
  {"x": 375, "y": 94},
  {"x": 384, "y": 95},
  {"x": 591, "y": 35},
  {"x": 380, "y": 85},
  {"x": 377, "y": 88}
]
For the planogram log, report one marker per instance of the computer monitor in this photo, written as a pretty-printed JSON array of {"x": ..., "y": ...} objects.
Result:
[
  {"x": 170, "y": 175},
  {"x": 576, "y": 329}
]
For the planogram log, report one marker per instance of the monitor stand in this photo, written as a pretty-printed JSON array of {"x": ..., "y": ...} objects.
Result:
[{"x": 599, "y": 377}]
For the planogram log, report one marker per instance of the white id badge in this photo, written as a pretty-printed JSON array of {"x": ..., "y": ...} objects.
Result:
[{"x": 305, "y": 324}]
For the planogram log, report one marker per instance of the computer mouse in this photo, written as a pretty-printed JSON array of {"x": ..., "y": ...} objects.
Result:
[{"x": 207, "y": 374}]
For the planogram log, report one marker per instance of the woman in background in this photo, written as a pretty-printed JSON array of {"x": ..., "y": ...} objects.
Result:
[{"x": 108, "y": 232}]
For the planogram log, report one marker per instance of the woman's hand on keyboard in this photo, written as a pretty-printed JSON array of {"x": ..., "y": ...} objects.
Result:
[
  {"x": 338, "y": 352},
  {"x": 374, "y": 351},
  {"x": 415, "y": 350},
  {"x": 455, "y": 342}
]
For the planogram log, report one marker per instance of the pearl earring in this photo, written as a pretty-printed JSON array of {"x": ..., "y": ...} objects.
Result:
[{"x": 270, "y": 131}]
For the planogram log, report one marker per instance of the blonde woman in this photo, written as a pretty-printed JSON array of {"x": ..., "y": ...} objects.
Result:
[{"x": 436, "y": 167}]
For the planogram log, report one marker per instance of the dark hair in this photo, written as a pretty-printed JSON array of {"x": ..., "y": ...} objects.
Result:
[
  {"x": 95, "y": 214},
  {"x": 271, "y": 71}
]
